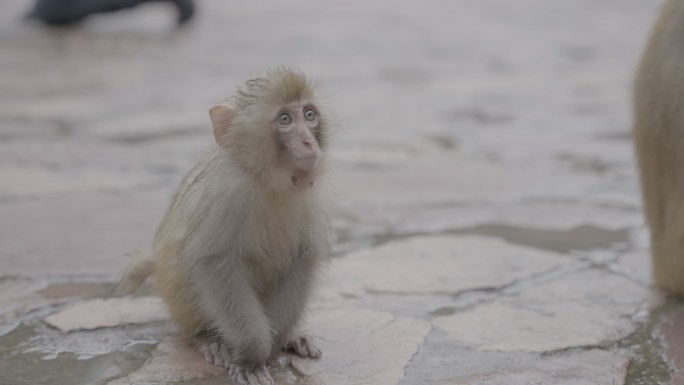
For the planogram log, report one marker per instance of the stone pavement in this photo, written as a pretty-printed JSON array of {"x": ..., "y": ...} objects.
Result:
[{"x": 488, "y": 224}]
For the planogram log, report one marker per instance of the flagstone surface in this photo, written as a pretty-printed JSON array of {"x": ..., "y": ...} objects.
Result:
[{"x": 487, "y": 220}]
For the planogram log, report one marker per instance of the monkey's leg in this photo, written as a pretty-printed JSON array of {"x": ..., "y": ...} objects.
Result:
[
  {"x": 659, "y": 140},
  {"x": 235, "y": 312},
  {"x": 286, "y": 305}
]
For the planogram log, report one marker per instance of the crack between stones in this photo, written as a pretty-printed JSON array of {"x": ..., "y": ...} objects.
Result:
[
  {"x": 575, "y": 349},
  {"x": 418, "y": 347}
]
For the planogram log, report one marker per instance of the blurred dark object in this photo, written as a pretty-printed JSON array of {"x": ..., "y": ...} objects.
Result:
[{"x": 67, "y": 12}]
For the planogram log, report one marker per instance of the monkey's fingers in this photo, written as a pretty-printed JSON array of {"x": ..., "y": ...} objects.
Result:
[
  {"x": 303, "y": 347},
  {"x": 312, "y": 350},
  {"x": 236, "y": 372},
  {"x": 216, "y": 353},
  {"x": 264, "y": 377},
  {"x": 243, "y": 376},
  {"x": 233, "y": 370}
]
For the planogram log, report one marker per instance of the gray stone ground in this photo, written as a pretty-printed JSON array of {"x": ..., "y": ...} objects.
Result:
[{"x": 488, "y": 227}]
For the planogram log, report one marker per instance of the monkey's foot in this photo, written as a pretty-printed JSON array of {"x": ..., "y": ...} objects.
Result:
[
  {"x": 246, "y": 376},
  {"x": 303, "y": 347},
  {"x": 216, "y": 353}
]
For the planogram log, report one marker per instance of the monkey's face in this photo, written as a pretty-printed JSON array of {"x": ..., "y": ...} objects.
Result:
[{"x": 296, "y": 129}]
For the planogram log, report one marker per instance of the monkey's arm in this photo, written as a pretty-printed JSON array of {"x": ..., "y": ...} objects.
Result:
[
  {"x": 235, "y": 311},
  {"x": 286, "y": 305}
]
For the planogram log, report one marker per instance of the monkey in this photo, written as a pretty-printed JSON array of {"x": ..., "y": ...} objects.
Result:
[
  {"x": 237, "y": 253},
  {"x": 658, "y": 113}
]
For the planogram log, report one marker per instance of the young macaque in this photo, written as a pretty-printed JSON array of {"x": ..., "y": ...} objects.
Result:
[
  {"x": 236, "y": 254},
  {"x": 659, "y": 139}
]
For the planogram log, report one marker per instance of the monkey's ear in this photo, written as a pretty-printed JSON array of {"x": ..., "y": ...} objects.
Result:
[{"x": 221, "y": 116}]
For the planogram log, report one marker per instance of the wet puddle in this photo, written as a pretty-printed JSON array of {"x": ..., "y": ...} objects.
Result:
[
  {"x": 66, "y": 368},
  {"x": 35, "y": 354}
]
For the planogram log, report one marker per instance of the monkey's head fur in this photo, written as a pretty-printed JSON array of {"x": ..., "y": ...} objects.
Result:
[{"x": 274, "y": 127}]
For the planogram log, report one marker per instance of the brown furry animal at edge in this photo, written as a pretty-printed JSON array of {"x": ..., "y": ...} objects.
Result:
[
  {"x": 236, "y": 255},
  {"x": 659, "y": 141}
]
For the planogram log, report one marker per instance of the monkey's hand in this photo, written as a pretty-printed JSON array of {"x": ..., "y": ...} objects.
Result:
[
  {"x": 243, "y": 375},
  {"x": 303, "y": 347}
]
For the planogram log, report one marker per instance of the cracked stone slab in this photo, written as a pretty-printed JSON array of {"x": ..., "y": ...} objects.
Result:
[
  {"x": 173, "y": 360},
  {"x": 381, "y": 194},
  {"x": 451, "y": 214},
  {"x": 359, "y": 221},
  {"x": 592, "y": 367},
  {"x": 80, "y": 234},
  {"x": 74, "y": 158},
  {"x": 589, "y": 308},
  {"x": 439, "y": 265},
  {"x": 637, "y": 265},
  {"x": 101, "y": 313},
  {"x": 150, "y": 125},
  {"x": 387, "y": 186},
  {"x": 361, "y": 346},
  {"x": 22, "y": 182}
]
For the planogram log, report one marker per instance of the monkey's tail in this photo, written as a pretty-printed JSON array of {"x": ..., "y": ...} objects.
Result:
[{"x": 135, "y": 274}]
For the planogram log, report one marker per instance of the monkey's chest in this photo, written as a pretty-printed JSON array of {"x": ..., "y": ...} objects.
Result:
[
  {"x": 272, "y": 237},
  {"x": 270, "y": 253},
  {"x": 267, "y": 272}
]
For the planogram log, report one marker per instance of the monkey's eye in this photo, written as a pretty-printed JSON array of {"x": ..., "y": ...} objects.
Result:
[
  {"x": 284, "y": 119},
  {"x": 310, "y": 115}
]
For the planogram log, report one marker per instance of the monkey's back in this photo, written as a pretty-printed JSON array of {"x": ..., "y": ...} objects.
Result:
[
  {"x": 181, "y": 300},
  {"x": 659, "y": 139},
  {"x": 172, "y": 275}
]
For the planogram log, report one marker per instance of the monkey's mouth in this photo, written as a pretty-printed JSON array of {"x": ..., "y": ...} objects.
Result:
[{"x": 303, "y": 180}]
